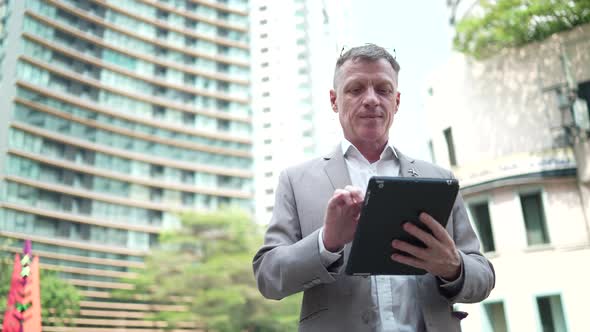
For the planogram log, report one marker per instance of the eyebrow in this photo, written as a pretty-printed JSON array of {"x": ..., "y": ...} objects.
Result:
[{"x": 377, "y": 82}]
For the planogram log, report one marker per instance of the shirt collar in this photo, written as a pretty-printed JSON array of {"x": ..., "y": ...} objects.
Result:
[{"x": 347, "y": 147}]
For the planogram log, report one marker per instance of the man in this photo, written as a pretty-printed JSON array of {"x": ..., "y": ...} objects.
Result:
[{"x": 317, "y": 207}]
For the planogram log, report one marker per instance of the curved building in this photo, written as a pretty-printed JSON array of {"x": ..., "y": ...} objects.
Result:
[
  {"x": 115, "y": 115},
  {"x": 514, "y": 129}
]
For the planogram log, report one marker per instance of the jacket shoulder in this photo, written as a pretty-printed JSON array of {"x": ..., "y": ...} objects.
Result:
[
  {"x": 432, "y": 170},
  {"x": 305, "y": 167}
]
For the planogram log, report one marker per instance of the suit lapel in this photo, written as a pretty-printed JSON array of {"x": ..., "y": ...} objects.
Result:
[
  {"x": 407, "y": 167},
  {"x": 336, "y": 169}
]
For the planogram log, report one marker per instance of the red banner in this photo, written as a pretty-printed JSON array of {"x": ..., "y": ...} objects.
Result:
[{"x": 23, "y": 310}]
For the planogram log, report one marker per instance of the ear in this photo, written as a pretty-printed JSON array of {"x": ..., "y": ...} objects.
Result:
[
  {"x": 397, "y": 99},
  {"x": 333, "y": 101}
]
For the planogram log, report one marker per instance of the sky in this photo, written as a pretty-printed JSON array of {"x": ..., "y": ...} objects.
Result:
[{"x": 420, "y": 34}]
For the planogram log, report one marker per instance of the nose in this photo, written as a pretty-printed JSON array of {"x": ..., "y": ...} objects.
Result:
[{"x": 370, "y": 99}]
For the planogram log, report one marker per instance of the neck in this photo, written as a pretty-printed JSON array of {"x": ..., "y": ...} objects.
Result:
[{"x": 370, "y": 150}]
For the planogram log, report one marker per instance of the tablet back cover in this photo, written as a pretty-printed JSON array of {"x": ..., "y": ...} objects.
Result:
[{"x": 389, "y": 202}]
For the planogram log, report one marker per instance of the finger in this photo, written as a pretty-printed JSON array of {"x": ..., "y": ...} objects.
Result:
[
  {"x": 356, "y": 193},
  {"x": 353, "y": 189},
  {"x": 357, "y": 212},
  {"x": 356, "y": 218},
  {"x": 417, "y": 252},
  {"x": 342, "y": 197},
  {"x": 411, "y": 261},
  {"x": 421, "y": 235},
  {"x": 437, "y": 229},
  {"x": 353, "y": 211}
]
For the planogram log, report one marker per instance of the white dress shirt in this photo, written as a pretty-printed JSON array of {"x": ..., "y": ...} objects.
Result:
[{"x": 395, "y": 296}]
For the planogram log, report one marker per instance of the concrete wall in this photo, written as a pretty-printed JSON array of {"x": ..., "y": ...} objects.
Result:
[{"x": 500, "y": 106}]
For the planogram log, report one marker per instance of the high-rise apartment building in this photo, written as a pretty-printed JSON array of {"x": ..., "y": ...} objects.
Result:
[
  {"x": 294, "y": 50},
  {"x": 115, "y": 115}
]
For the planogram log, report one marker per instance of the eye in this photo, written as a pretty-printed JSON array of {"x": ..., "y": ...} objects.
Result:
[
  {"x": 355, "y": 90},
  {"x": 384, "y": 91}
]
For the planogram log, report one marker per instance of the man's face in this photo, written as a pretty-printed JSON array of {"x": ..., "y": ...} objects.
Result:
[{"x": 366, "y": 99}]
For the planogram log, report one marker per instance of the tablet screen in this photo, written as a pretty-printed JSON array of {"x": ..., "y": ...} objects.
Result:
[{"x": 389, "y": 203}]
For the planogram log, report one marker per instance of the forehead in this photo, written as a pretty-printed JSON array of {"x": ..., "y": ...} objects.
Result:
[{"x": 356, "y": 70}]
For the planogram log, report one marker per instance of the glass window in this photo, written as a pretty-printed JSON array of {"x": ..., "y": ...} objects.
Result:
[
  {"x": 188, "y": 177},
  {"x": 431, "y": 151},
  {"x": 450, "y": 146},
  {"x": 155, "y": 217},
  {"x": 161, "y": 14},
  {"x": 494, "y": 317},
  {"x": 188, "y": 199},
  {"x": 481, "y": 217},
  {"x": 223, "y": 125},
  {"x": 156, "y": 194},
  {"x": 534, "y": 218},
  {"x": 119, "y": 59},
  {"x": 551, "y": 314}
]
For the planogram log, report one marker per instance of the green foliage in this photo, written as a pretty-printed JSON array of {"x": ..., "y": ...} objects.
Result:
[
  {"x": 59, "y": 300},
  {"x": 6, "y": 262},
  {"x": 512, "y": 23},
  {"x": 206, "y": 265}
]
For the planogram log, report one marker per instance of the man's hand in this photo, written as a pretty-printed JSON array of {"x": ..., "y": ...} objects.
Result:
[
  {"x": 342, "y": 215},
  {"x": 440, "y": 257}
]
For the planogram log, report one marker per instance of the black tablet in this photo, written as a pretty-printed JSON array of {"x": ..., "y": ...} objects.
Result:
[{"x": 389, "y": 202}]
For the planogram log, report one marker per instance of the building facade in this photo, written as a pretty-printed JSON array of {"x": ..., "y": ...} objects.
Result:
[
  {"x": 514, "y": 130},
  {"x": 115, "y": 116},
  {"x": 294, "y": 47}
]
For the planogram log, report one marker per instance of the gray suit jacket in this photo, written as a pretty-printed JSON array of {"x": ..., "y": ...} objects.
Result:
[{"x": 289, "y": 261}]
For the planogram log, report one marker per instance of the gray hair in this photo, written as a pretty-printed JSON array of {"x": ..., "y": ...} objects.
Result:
[{"x": 367, "y": 52}]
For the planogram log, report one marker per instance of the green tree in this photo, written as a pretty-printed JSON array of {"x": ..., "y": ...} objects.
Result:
[
  {"x": 59, "y": 300},
  {"x": 499, "y": 24},
  {"x": 206, "y": 265}
]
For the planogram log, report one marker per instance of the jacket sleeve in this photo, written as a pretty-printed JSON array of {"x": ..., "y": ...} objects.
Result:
[{"x": 287, "y": 263}]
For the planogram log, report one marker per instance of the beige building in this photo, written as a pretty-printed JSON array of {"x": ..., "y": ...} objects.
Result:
[{"x": 520, "y": 149}]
